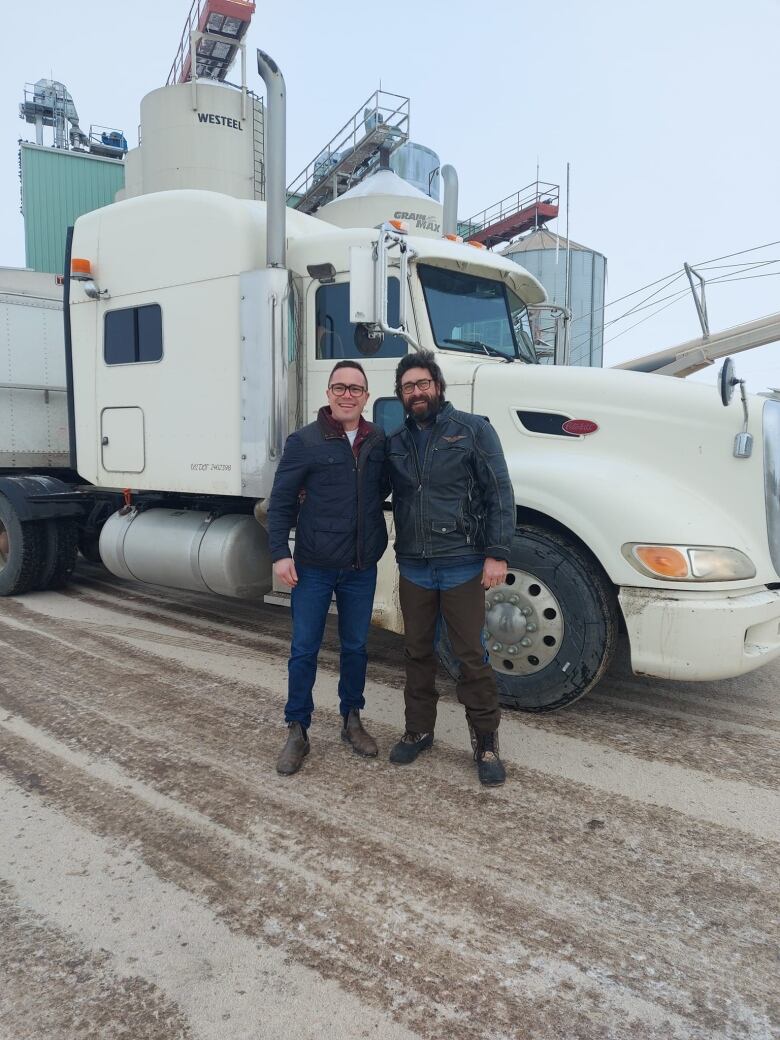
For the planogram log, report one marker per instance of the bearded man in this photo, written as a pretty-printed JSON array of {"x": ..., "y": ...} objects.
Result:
[{"x": 454, "y": 514}]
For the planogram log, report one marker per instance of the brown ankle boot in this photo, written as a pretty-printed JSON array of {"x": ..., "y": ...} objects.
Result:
[
  {"x": 294, "y": 751},
  {"x": 352, "y": 732}
]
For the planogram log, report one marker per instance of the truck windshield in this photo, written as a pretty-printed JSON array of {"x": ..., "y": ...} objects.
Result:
[{"x": 476, "y": 315}]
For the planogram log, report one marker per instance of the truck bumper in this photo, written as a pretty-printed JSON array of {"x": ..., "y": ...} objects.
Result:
[{"x": 701, "y": 635}]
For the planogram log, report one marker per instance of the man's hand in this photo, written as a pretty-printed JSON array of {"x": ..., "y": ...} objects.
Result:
[
  {"x": 285, "y": 571},
  {"x": 493, "y": 573}
]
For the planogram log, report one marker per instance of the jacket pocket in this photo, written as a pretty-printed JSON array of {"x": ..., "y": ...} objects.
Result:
[
  {"x": 334, "y": 539},
  {"x": 443, "y": 526}
]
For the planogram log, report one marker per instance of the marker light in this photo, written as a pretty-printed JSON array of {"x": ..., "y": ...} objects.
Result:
[
  {"x": 662, "y": 560},
  {"x": 477, "y": 245},
  {"x": 689, "y": 562},
  {"x": 80, "y": 269},
  {"x": 400, "y": 226},
  {"x": 453, "y": 238}
]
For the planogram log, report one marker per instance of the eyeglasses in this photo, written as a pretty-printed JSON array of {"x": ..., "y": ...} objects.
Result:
[
  {"x": 339, "y": 389},
  {"x": 420, "y": 384}
]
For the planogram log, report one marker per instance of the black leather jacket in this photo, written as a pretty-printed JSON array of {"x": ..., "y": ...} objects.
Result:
[{"x": 458, "y": 499}]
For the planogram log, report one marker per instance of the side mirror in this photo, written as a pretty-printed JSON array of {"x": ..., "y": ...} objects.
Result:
[
  {"x": 362, "y": 291},
  {"x": 727, "y": 381},
  {"x": 368, "y": 266}
]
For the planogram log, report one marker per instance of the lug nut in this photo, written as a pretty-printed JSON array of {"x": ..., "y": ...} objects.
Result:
[
  {"x": 514, "y": 600},
  {"x": 530, "y": 627},
  {"x": 525, "y": 642},
  {"x": 511, "y": 650},
  {"x": 498, "y": 598},
  {"x": 497, "y": 647},
  {"x": 525, "y": 611}
]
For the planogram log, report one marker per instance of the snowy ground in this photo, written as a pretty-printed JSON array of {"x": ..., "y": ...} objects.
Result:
[{"x": 159, "y": 880}]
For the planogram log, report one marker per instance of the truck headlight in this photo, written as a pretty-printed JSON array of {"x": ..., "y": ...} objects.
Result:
[{"x": 689, "y": 562}]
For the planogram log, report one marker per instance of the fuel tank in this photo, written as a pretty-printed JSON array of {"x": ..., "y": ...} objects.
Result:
[{"x": 186, "y": 549}]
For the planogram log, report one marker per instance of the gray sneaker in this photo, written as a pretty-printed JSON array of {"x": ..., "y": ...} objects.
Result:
[{"x": 294, "y": 751}]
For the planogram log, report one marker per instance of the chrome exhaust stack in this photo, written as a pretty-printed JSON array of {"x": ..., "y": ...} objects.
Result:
[
  {"x": 449, "y": 223},
  {"x": 275, "y": 160}
]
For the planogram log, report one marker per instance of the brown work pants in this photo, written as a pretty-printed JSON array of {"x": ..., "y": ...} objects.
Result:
[{"x": 463, "y": 609}]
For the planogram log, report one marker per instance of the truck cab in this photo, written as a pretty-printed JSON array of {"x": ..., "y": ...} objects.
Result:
[{"x": 193, "y": 358}]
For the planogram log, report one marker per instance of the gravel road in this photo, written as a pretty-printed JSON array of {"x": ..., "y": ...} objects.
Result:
[{"x": 159, "y": 880}]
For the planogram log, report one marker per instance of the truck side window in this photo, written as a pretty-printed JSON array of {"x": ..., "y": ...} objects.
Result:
[
  {"x": 388, "y": 413},
  {"x": 337, "y": 338},
  {"x": 133, "y": 335}
]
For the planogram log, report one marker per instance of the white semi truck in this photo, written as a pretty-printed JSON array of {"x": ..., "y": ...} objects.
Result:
[{"x": 201, "y": 328}]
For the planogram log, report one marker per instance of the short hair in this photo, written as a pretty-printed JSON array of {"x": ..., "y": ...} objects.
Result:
[
  {"x": 420, "y": 359},
  {"x": 348, "y": 364}
]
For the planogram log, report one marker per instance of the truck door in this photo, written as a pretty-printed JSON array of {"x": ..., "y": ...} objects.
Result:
[
  {"x": 332, "y": 337},
  {"x": 122, "y": 440}
]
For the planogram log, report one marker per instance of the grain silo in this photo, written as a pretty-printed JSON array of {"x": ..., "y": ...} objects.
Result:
[{"x": 544, "y": 255}]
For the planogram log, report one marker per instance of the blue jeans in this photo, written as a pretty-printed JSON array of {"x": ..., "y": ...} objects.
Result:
[
  {"x": 311, "y": 599},
  {"x": 429, "y": 574}
]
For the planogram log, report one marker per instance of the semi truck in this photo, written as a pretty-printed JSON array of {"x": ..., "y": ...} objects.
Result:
[{"x": 200, "y": 328}]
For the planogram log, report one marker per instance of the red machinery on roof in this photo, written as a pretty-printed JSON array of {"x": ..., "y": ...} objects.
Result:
[
  {"x": 531, "y": 207},
  {"x": 221, "y": 25}
]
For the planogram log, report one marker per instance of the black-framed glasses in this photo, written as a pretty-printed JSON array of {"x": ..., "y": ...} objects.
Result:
[
  {"x": 419, "y": 384},
  {"x": 339, "y": 389}
]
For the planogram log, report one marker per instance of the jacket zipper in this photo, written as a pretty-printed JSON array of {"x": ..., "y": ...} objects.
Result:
[{"x": 368, "y": 441}]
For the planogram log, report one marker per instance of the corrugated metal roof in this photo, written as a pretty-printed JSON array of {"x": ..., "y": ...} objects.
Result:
[
  {"x": 57, "y": 187},
  {"x": 544, "y": 239}
]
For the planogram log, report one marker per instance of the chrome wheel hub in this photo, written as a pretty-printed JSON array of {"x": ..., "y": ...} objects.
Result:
[{"x": 523, "y": 624}]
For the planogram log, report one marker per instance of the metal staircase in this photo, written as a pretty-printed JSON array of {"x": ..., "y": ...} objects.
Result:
[
  {"x": 382, "y": 121},
  {"x": 531, "y": 207}
]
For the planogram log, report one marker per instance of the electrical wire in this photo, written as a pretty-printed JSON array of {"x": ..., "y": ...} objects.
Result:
[
  {"x": 728, "y": 256},
  {"x": 673, "y": 275},
  {"x": 641, "y": 321},
  {"x": 671, "y": 278}
]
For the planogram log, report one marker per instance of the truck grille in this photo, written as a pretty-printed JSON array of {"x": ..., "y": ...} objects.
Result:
[{"x": 772, "y": 477}]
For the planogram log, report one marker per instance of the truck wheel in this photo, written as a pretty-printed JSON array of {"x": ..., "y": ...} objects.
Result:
[
  {"x": 60, "y": 539},
  {"x": 21, "y": 551},
  {"x": 551, "y": 629}
]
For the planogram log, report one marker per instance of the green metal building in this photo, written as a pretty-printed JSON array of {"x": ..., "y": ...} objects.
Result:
[{"x": 58, "y": 185}]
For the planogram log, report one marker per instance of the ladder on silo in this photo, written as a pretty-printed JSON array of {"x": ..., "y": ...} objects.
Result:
[{"x": 258, "y": 144}]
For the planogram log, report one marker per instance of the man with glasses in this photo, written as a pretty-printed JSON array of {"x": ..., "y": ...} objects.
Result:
[
  {"x": 454, "y": 515},
  {"x": 330, "y": 486}
]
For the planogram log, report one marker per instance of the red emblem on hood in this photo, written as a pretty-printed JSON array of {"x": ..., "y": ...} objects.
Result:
[{"x": 580, "y": 427}]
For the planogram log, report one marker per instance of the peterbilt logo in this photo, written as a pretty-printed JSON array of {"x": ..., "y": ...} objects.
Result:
[
  {"x": 210, "y": 117},
  {"x": 423, "y": 221}
]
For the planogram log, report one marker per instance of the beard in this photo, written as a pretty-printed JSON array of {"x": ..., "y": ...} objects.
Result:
[{"x": 432, "y": 408}]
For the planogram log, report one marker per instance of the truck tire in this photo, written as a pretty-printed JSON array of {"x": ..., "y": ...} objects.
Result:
[
  {"x": 60, "y": 546},
  {"x": 21, "y": 551},
  {"x": 551, "y": 629}
]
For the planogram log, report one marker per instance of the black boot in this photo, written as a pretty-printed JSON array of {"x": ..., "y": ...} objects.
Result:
[
  {"x": 294, "y": 751},
  {"x": 490, "y": 768},
  {"x": 409, "y": 747}
]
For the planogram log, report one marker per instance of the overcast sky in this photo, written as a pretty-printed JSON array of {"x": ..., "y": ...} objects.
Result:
[{"x": 667, "y": 112}]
